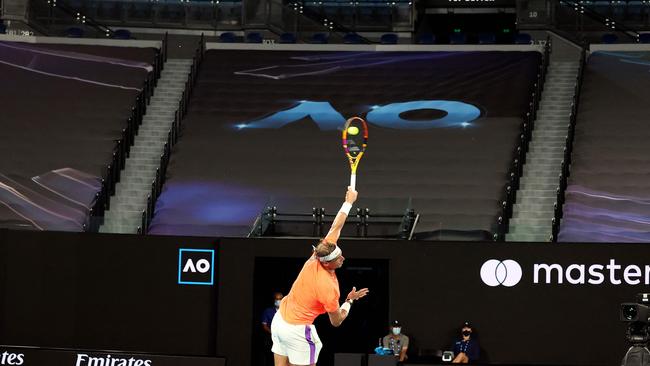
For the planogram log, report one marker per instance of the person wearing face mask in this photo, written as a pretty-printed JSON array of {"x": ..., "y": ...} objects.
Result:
[
  {"x": 397, "y": 341},
  {"x": 269, "y": 313},
  {"x": 466, "y": 349}
]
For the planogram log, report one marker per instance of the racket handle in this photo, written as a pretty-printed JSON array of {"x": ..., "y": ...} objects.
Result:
[{"x": 353, "y": 181}]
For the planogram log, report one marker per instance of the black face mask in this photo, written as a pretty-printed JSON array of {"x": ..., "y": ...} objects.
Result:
[{"x": 467, "y": 333}]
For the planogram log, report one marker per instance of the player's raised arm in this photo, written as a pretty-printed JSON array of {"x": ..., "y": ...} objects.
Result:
[{"x": 335, "y": 231}]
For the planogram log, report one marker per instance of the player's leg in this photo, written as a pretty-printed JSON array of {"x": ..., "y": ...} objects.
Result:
[
  {"x": 278, "y": 336},
  {"x": 280, "y": 360}
]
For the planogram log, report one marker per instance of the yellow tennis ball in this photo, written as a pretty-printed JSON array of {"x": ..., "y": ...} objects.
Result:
[{"x": 353, "y": 130}]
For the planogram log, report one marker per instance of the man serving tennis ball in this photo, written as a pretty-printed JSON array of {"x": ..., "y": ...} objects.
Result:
[{"x": 315, "y": 292}]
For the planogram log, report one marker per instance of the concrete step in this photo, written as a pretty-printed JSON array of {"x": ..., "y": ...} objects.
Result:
[
  {"x": 539, "y": 207},
  {"x": 538, "y": 186},
  {"x": 534, "y": 200},
  {"x": 537, "y": 238},
  {"x": 552, "y": 124},
  {"x": 555, "y": 143},
  {"x": 536, "y": 193},
  {"x": 532, "y": 222},
  {"x": 141, "y": 180},
  {"x": 140, "y": 166},
  {"x": 118, "y": 229},
  {"x": 543, "y": 160},
  {"x": 533, "y": 214},
  {"x": 540, "y": 176},
  {"x": 534, "y": 230},
  {"x": 126, "y": 222},
  {"x": 160, "y": 126},
  {"x": 156, "y": 133}
]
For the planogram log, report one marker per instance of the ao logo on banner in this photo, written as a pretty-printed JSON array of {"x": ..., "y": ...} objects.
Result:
[
  {"x": 495, "y": 272},
  {"x": 195, "y": 266}
]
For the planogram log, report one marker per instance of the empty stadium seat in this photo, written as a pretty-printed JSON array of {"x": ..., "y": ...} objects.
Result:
[
  {"x": 351, "y": 38},
  {"x": 457, "y": 38},
  {"x": 254, "y": 37},
  {"x": 227, "y": 37},
  {"x": 523, "y": 38},
  {"x": 287, "y": 38},
  {"x": 426, "y": 38},
  {"x": 319, "y": 38},
  {"x": 389, "y": 38},
  {"x": 3, "y": 28},
  {"x": 609, "y": 38},
  {"x": 487, "y": 38},
  {"x": 644, "y": 38},
  {"x": 122, "y": 34},
  {"x": 74, "y": 32}
]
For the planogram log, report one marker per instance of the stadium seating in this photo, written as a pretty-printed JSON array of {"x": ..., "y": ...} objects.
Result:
[
  {"x": 608, "y": 194},
  {"x": 227, "y": 168},
  {"x": 65, "y": 120}
]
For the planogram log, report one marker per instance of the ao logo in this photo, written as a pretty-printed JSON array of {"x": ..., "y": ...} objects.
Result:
[
  {"x": 495, "y": 272},
  {"x": 202, "y": 265},
  {"x": 196, "y": 266}
]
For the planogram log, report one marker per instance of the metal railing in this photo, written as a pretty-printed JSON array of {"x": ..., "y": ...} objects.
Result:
[{"x": 525, "y": 135}]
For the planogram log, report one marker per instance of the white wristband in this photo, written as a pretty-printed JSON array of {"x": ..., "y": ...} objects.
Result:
[
  {"x": 346, "y": 208},
  {"x": 346, "y": 307}
]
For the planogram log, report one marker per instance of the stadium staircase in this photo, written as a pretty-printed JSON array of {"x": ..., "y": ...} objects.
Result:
[
  {"x": 533, "y": 211},
  {"x": 131, "y": 192}
]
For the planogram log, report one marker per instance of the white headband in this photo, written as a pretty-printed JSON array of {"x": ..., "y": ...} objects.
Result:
[{"x": 335, "y": 253}]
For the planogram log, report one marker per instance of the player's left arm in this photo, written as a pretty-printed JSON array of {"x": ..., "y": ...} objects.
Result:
[
  {"x": 335, "y": 231},
  {"x": 338, "y": 316}
]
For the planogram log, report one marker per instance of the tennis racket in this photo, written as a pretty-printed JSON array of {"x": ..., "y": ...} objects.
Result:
[{"x": 355, "y": 141}]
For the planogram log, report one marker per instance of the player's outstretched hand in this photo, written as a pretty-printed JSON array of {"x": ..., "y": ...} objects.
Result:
[
  {"x": 350, "y": 195},
  {"x": 356, "y": 295}
]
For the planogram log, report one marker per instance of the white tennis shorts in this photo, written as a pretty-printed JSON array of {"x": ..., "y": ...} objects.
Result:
[{"x": 299, "y": 342}]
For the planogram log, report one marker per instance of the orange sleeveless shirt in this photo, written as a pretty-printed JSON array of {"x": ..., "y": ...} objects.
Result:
[{"x": 315, "y": 292}]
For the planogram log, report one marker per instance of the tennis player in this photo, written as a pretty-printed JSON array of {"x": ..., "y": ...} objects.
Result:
[{"x": 315, "y": 292}]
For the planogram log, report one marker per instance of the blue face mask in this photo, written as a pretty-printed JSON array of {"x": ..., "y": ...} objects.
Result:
[
  {"x": 397, "y": 331},
  {"x": 277, "y": 303}
]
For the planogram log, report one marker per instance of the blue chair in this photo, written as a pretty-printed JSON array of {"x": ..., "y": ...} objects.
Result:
[
  {"x": 523, "y": 38},
  {"x": 254, "y": 37},
  {"x": 287, "y": 38},
  {"x": 457, "y": 38},
  {"x": 609, "y": 38},
  {"x": 487, "y": 38},
  {"x": 426, "y": 38},
  {"x": 644, "y": 38},
  {"x": 74, "y": 32},
  {"x": 318, "y": 38},
  {"x": 122, "y": 34},
  {"x": 227, "y": 37},
  {"x": 351, "y": 38},
  {"x": 388, "y": 38},
  {"x": 3, "y": 28}
]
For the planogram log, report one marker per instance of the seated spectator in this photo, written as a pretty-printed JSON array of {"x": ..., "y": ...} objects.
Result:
[
  {"x": 466, "y": 349},
  {"x": 396, "y": 341}
]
